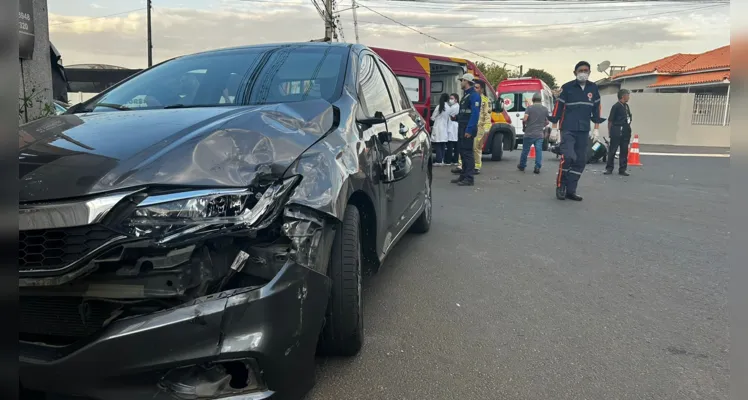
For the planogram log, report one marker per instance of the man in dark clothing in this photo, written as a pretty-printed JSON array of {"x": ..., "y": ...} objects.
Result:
[
  {"x": 577, "y": 106},
  {"x": 535, "y": 121},
  {"x": 467, "y": 129},
  {"x": 619, "y": 130}
]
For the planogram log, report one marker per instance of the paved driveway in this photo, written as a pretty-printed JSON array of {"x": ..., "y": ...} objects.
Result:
[{"x": 516, "y": 295}]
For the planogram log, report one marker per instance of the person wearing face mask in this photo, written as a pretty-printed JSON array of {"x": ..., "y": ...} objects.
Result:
[
  {"x": 442, "y": 118},
  {"x": 453, "y": 156},
  {"x": 467, "y": 120},
  {"x": 619, "y": 130},
  {"x": 577, "y": 106}
]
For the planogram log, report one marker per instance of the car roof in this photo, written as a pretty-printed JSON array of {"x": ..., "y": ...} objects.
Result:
[{"x": 273, "y": 45}]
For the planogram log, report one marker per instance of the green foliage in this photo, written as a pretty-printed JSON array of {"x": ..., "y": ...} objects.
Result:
[
  {"x": 543, "y": 75},
  {"x": 494, "y": 73}
]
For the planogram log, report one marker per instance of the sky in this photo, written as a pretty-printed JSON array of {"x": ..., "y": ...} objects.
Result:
[{"x": 529, "y": 33}]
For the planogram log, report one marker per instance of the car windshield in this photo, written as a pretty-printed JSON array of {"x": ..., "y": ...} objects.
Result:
[{"x": 235, "y": 77}]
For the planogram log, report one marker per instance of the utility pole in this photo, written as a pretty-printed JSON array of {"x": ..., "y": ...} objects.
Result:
[
  {"x": 355, "y": 19},
  {"x": 329, "y": 22},
  {"x": 520, "y": 71},
  {"x": 150, "y": 44}
]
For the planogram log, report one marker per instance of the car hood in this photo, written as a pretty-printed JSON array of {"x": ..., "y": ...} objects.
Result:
[{"x": 70, "y": 156}]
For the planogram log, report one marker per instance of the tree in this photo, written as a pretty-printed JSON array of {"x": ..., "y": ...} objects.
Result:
[
  {"x": 543, "y": 75},
  {"x": 494, "y": 73}
]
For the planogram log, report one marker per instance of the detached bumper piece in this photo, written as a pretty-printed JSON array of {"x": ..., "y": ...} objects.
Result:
[{"x": 242, "y": 344}]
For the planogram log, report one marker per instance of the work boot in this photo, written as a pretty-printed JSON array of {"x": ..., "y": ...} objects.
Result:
[
  {"x": 521, "y": 168},
  {"x": 608, "y": 172},
  {"x": 465, "y": 183},
  {"x": 457, "y": 170},
  {"x": 623, "y": 173},
  {"x": 561, "y": 192},
  {"x": 536, "y": 170},
  {"x": 476, "y": 172},
  {"x": 573, "y": 196},
  {"x": 456, "y": 180}
]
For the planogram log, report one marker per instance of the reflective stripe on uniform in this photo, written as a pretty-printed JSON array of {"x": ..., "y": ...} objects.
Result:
[
  {"x": 575, "y": 172},
  {"x": 576, "y": 103}
]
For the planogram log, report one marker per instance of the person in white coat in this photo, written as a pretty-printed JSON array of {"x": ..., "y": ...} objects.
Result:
[
  {"x": 442, "y": 117},
  {"x": 452, "y": 155}
]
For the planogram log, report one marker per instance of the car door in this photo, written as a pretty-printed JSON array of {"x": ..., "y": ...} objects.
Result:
[
  {"x": 410, "y": 140},
  {"x": 375, "y": 98}
]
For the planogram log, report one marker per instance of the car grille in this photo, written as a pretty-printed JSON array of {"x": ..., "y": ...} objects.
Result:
[
  {"x": 55, "y": 248},
  {"x": 62, "y": 320}
]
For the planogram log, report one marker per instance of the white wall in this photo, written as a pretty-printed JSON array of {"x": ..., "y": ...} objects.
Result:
[
  {"x": 665, "y": 118},
  {"x": 639, "y": 83}
]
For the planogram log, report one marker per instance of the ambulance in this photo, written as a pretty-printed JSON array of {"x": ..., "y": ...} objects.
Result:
[
  {"x": 516, "y": 95},
  {"x": 426, "y": 76}
]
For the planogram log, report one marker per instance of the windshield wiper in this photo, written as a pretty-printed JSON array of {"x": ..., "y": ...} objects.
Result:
[
  {"x": 119, "y": 107},
  {"x": 197, "y": 105}
]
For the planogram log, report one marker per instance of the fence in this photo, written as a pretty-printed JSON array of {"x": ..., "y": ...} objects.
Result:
[{"x": 709, "y": 109}]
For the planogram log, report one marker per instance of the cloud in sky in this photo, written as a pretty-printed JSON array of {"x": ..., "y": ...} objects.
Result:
[{"x": 514, "y": 37}]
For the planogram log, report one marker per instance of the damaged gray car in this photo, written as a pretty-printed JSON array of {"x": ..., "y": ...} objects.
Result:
[{"x": 200, "y": 230}]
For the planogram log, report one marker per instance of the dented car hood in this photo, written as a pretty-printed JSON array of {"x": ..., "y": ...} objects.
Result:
[{"x": 73, "y": 155}]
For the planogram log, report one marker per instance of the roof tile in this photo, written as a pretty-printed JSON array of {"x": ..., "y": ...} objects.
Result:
[
  {"x": 680, "y": 63},
  {"x": 717, "y": 58},
  {"x": 691, "y": 79}
]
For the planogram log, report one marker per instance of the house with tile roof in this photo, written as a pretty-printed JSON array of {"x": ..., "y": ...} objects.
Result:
[{"x": 707, "y": 73}]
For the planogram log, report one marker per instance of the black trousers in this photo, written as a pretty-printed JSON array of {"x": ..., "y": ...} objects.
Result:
[
  {"x": 466, "y": 153},
  {"x": 451, "y": 156},
  {"x": 573, "y": 159},
  {"x": 620, "y": 136}
]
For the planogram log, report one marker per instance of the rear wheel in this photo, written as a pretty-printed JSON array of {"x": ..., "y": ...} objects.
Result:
[
  {"x": 423, "y": 223},
  {"x": 343, "y": 332},
  {"x": 497, "y": 147}
]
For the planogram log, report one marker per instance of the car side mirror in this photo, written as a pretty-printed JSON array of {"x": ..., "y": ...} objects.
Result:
[
  {"x": 498, "y": 106},
  {"x": 384, "y": 137}
]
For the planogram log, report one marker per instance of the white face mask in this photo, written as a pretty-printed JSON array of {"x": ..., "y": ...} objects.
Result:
[
  {"x": 583, "y": 76},
  {"x": 451, "y": 102}
]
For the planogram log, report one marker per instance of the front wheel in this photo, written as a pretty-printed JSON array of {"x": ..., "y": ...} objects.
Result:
[{"x": 343, "y": 332}]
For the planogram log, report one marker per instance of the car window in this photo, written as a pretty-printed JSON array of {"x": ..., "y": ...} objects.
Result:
[
  {"x": 412, "y": 87},
  {"x": 400, "y": 101},
  {"x": 526, "y": 100},
  {"x": 242, "y": 77},
  {"x": 509, "y": 100},
  {"x": 373, "y": 89}
]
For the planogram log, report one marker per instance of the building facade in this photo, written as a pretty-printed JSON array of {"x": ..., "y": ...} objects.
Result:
[{"x": 706, "y": 73}]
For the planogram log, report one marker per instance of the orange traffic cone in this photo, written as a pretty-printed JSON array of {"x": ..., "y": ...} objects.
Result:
[
  {"x": 532, "y": 152},
  {"x": 634, "y": 153}
]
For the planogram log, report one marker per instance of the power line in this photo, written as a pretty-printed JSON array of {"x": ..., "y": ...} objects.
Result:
[
  {"x": 103, "y": 16},
  {"x": 435, "y": 38},
  {"x": 534, "y": 6},
  {"x": 545, "y": 27}
]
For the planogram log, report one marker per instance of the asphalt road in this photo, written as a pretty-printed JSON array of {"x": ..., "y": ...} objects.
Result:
[{"x": 516, "y": 295}]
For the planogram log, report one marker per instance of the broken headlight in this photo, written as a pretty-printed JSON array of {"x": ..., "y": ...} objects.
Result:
[{"x": 169, "y": 215}]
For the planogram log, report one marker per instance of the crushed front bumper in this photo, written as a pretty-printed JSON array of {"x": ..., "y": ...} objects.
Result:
[{"x": 272, "y": 330}]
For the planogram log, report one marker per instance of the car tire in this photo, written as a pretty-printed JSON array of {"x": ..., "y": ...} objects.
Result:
[
  {"x": 343, "y": 331},
  {"x": 423, "y": 223},
  {"x": 497, "y": 147}
]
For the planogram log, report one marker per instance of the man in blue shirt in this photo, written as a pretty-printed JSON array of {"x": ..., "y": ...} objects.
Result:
[
  {"x": 467, "y": 129},
  {"x": 577, "y": 106}
]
